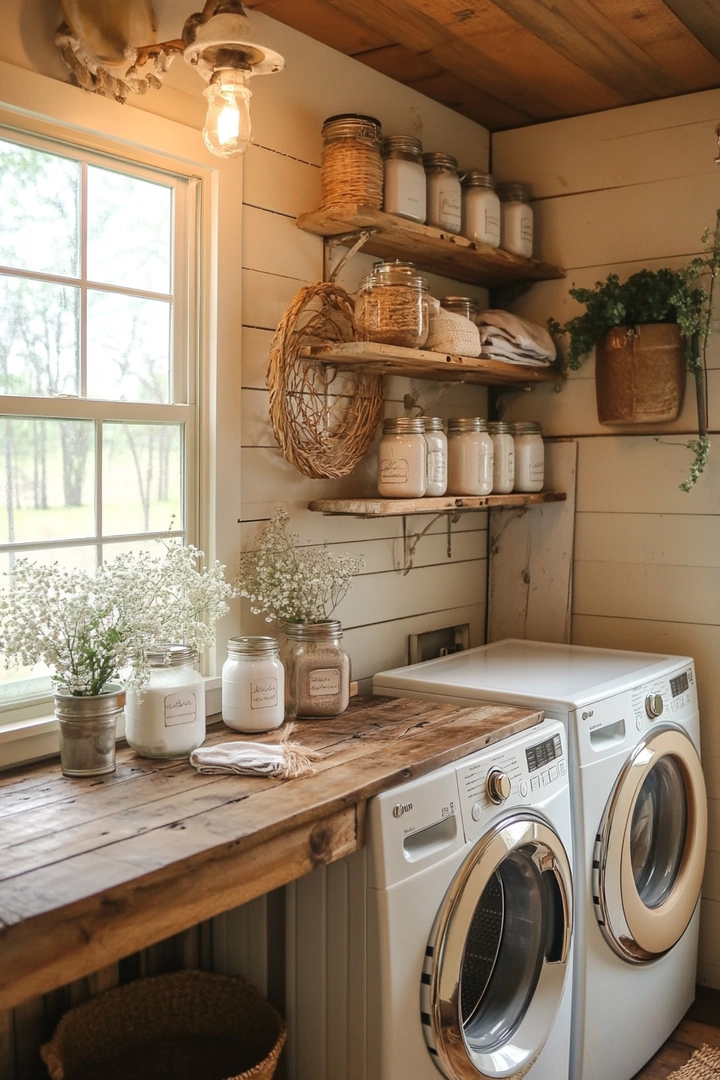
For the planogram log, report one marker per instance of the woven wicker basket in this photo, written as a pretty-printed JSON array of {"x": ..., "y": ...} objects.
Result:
[{"x": 190, "y": 1025}]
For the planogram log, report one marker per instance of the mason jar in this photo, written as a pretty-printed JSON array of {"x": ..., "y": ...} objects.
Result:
[
  {"x": 392, "y": 305},
  {"x": 503, "y": 456},
  {"x": 437, "y": 471},
  {"x": 253, "y": 684},
  {"x": 516, "y": 219},
  {"x": 529, "y": 456},
  {"x": 404, "y": 176},
  {"x": 317, "y": 670},
  {"x": 470, "y": 457},
  {"x": 166, "y": 718},
  {"x": 444, "y": 193},
  {"x": 402, "y": 458},
  {"x": 480, "y": 208},
  {"x": 351, "y": 171},
  {"x": 461, "y": 305}
]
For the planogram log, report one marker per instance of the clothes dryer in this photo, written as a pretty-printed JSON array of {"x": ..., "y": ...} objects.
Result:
[
  {"x": 459, "y": 910},
  {"x": 639, "y": 826}
]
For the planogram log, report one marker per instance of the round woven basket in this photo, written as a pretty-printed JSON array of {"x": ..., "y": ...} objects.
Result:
[{"x": 190, "y": 1025}]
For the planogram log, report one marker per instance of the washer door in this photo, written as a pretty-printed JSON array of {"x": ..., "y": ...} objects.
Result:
[
  {"x": 497, "y": 958},
  {"x": 650, "y": 850}
]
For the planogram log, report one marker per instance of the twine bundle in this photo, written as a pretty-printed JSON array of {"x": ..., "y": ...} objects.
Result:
[{"x": 322, "y": 429}]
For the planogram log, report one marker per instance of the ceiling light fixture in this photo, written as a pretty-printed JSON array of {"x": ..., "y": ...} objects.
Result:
[{"x": 219, "y": 42}]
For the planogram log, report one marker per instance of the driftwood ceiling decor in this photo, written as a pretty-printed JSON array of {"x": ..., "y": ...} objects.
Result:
[{"x": 508, "y": 63}]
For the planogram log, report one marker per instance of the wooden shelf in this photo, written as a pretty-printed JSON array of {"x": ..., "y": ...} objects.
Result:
[
  {"x": 452, "y": 504},
  {"x": 424, "y": 364},
  {"x": 429, "y": 248}
]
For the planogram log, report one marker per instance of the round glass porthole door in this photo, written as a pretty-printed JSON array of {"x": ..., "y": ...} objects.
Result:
[
  {"x": 496, "y": 961},
  {"x": 651, "y": 848}
]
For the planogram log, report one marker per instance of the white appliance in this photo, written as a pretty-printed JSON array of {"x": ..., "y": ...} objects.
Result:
[
  {"x": 639, "y": 826},
  {"x": 444, "y": 946}
]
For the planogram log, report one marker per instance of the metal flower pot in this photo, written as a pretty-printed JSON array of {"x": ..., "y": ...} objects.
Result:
[
  {"x": 640, "y": 374},
  {"x": 88, "y": 730}
]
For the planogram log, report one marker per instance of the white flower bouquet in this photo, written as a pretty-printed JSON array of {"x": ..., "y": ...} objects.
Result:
[
  {"x": 290, "y": 583},
  {"x": 93, "y": 629}
]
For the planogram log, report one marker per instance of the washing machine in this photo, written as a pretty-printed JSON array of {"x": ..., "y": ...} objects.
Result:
[
  {"x": 443, "y": 948},
  {"x": 639, "y": 826}
]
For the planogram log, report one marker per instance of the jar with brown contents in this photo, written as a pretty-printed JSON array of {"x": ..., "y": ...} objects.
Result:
[
  {"x": 392, "y": 306},
  {"x": 317, "y": 670},
  {"x": 352, "y": 166}
]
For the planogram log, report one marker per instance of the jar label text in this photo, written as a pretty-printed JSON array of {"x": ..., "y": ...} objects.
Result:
[
  {"x": 180, "y": 709},
  {"x": 264, "y": 694},
  {"x": 324, "y": 681},
  {"x": 394, "y": 471}
]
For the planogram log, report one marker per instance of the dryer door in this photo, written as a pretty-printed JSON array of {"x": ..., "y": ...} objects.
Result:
[
  {"x": 650, "y": 850},
  {"x": 498, "y": 953}
]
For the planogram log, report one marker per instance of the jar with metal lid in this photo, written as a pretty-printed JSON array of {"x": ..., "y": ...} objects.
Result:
[
  {"x": 529, "y": 456},
  {"x": 461, "y": 305},
  {"x": 470, "y": 457},
  {"x": 405, "y": 185},
  {"x": 437, "y": 473},
  {"x": 444, "y": 193},
  {"x": 503, "y": 457},
  {"x": 392, "y": 306},
  {"x": 352, "y": 168},
  {"x": 166, "y": 718},
  {"x": 480, "y": 208},
  {"x": 317, "y": 670},
  {"x": 253, "y": 684},
  {"x": 516, "y": 219},
  {"x": 402, "y": 458}
]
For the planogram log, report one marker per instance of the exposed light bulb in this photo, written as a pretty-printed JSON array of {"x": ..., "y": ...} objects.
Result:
[{"x": 228, "y": 128}]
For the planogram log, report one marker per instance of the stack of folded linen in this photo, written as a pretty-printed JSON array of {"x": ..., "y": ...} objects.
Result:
[{"x": 516, "y": 341}]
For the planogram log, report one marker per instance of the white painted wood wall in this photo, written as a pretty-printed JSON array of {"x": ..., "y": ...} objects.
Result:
[{"x": 617, "y": 192}]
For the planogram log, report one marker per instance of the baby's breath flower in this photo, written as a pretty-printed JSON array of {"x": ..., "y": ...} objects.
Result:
[{"x": 290, "y": 583}]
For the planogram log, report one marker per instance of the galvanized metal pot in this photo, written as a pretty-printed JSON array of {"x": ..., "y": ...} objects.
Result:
[{"x": 88, "y": 729}]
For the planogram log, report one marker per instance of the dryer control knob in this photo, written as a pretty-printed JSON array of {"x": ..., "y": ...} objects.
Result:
[
  {"x": 654, "y": 705},
  {"x": 498, "y": 785}
]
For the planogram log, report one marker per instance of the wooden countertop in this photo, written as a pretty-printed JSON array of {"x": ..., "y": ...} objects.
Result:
[{"x": 92, "y": 870}]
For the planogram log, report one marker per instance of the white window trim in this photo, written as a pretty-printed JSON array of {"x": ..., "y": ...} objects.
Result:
[{"x": 35, "y": 103}]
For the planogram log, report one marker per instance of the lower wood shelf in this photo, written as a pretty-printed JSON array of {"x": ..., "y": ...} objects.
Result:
[{"x": 450, "y": 504}]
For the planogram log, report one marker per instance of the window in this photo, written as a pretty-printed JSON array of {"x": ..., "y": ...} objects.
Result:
[{"x": 98, "y": 425}]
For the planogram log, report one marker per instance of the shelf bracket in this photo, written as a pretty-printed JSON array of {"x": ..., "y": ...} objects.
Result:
[
  {"x": 356, "y": 239},
  {"x": 411, "y": 541}
]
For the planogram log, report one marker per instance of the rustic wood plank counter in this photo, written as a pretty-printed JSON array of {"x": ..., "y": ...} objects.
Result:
[{"x": 92, "y": 870}]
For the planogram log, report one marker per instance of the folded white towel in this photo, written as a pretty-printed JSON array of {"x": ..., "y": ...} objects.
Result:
[
  {"x": 498, "y": 327},
  {"x": 282, "y": 761},
  {"x": 512, "y": 356}
]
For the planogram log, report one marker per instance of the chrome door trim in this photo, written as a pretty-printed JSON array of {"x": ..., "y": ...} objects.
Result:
[
  {"x": 636, "y": 933},
  {"x": 440, "y": 990}
]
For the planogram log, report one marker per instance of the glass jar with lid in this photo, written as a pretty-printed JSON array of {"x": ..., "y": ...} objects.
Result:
[
  {"x": 437, "y": 473},
  {"x": 516, "y": 219},
  {"x": 351, "y": 172},
  {"x": 461, "y": 305},
  {"x": 503, "y": 456},
  {"x": 317, "y": 670},
  {"x": 402, "y": 458},
  {"x": 470, "y": 457},
  {"x": 253, "y": 684},
  {"x": 405, "y": 190},
  {"x": 392, "y": 305},
  {"x": 166, "y": 718},
  {"x": 444, "y": 193},
  {"x": 480, "y": 208},
  {"x": 529, "y": 456}
]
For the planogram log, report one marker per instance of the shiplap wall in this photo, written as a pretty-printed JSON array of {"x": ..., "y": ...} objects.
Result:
[{"x": 620, "y": 191}]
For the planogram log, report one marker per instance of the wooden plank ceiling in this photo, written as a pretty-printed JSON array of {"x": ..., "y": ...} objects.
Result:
[{"x": 509, "y": 63}]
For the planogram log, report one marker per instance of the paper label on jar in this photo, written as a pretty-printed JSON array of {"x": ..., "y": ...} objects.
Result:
[
  {"x": 492, "y": 224},
  {"x": 435, "y": 466},
  {"x": 394, "y": 471},
  {"x": 180, "y": 709},
  {"x": 264, "y": 694},
  {"x": 526, "y": 228},
  {"x": 450, "y": 209},
  {"x": 324, "y": 682}
]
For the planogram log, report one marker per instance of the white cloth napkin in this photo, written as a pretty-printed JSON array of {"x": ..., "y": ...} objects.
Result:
[
  {"x": 514, "y": 340},
  {"x": 283, "y": 760}
]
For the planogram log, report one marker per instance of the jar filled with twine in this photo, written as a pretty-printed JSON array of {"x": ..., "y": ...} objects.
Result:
[{"x": 352, "y": 164}]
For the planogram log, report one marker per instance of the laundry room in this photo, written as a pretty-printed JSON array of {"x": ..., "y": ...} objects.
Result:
[{"x": 608, "y": 118}]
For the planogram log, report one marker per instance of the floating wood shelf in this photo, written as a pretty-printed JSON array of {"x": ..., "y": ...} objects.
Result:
[
  {"x": 445, "y": 504},
  {"x": 424, "y": 364},
  {"x": 431, "y": 249}
]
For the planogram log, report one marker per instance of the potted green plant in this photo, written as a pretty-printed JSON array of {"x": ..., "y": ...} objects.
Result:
[{"x": 647, "y": 332}]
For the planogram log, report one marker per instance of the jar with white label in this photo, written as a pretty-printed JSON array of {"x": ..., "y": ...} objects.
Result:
[
  {"x": 166, "y": 718},
  {"x": 503, "y": 457},
  {"x": 480, "y": 208},
  {"x": 402, "y": 458},
  {"x": 516, "y": 219},
  {"x": 470, "y": 457},
  {"x": 436, "y": 456},
  {"x": 253, "y": 684},
  {"x": 317, "y": 670},
  {"x": 405, "y": 187},
  {"x": 529, "y": 456},
  {"x": 444, "y": 193}
]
